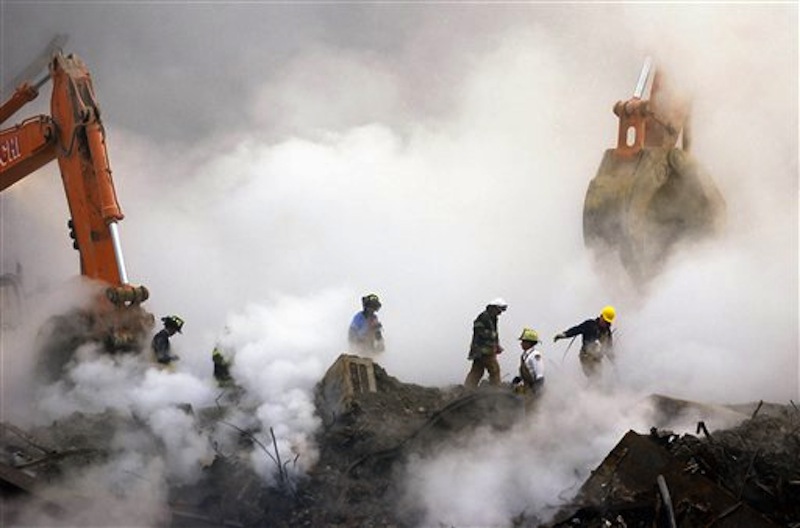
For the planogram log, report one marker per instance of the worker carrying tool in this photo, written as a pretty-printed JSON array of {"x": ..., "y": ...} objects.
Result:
[
  {"x": 531, "y": 364},
  {"x": 597, "y": 342},
  {"x": 161, "y": 345},
  {"x": 485, "y": 345},
  {"x": 366, "y": 331}
]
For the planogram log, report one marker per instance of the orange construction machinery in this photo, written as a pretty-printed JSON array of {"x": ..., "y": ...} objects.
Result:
[
  {"x": 649, "y": 194},
  {"x": 73, "y": 134}
]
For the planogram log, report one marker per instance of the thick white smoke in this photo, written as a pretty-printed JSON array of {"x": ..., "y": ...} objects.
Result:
[
  {"x": 440, "y": 174},
  {"x": 132, "y": 388},
  {"x": 490, "y": 477},
  {"x": 279, "y": 351}
]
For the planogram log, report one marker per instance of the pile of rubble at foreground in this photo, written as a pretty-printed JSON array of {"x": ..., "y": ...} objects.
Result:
[{"x": 747, "y": 476}]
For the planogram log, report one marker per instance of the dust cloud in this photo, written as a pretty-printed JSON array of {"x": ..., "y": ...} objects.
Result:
[{"x": 439, "y": 172}]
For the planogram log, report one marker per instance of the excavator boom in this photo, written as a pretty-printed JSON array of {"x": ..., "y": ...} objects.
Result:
[
  {"x": 85, "y": 169},
  {"x": 25, "y": 149},
  {"x": 74, "y": 136}
]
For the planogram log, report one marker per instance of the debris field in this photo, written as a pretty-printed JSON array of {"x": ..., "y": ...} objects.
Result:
[{"x": 746, "y": 476}]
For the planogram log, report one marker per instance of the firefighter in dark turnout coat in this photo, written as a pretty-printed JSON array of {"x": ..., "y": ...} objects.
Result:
[
  {"x": 485, "y": 345},
  {"x": 596, "y": 343},
  {"x": 160, "y": 344}
]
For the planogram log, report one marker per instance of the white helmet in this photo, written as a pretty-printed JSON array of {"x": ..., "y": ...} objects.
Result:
[{"x": 499, "y": 302}]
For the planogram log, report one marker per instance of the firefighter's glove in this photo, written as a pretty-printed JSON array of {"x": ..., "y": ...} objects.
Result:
[{"x": 559, "y": 336}]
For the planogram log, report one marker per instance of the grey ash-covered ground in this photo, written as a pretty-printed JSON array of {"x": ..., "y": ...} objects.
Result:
[
  {"x": 362, "y": 453},
  {"x": 363, "y": 447}
]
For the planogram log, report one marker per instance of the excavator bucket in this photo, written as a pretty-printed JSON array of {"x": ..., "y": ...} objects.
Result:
[{"x": 648, "y": 194}]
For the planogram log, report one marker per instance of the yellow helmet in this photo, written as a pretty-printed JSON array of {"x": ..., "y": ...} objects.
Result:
[
  {"x": 529, "y": 334},
  {"x": 608, "y": 314}
]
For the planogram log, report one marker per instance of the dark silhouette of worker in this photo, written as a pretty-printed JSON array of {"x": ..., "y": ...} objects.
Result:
[
  {"x": 161, "y": 344},
  {"x": 222, "y": 368},
  {"x": 485, "y": 345},
  {"x": 597, "y": 340},
  {"x": 365, "y": 334}
]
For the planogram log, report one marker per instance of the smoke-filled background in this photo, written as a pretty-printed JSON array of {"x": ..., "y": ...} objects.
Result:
[{"x": 276, "y": 162}]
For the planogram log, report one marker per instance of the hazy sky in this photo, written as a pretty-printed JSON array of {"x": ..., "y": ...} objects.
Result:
[{"x": 276, "y": 162}]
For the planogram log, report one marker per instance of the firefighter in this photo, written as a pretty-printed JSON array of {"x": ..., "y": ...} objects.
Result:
[
  {"x": 366, "y": 331},
  {"x": 222, "y": 368},
  {"x": 531, "y": 364},
  {"x": 485, "y": 345},
  {"x": 161, "y": 344},
  {"x": 596, "y": 340}
]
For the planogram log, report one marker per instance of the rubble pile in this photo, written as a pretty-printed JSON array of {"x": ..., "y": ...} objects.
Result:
[
  {"x": 757, "y": 461},
  {"x": 363, "y": 447},
  {"x": 371, "y": 423},
  {"x": 745, "y": 476}
]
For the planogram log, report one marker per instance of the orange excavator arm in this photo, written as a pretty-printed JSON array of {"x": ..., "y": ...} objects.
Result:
[
  {"x": 657, "y": 122},
  {"x": 28, "y": 146},
  {"x": 85, "y": 170},
  {"x": 650, "y": 196},
  {"x": 73, "y": 134}
]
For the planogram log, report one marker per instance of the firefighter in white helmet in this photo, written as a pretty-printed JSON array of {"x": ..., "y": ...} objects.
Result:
[
  {"x": 597, "y": 342},
  {"x": 485, "y": 345}
]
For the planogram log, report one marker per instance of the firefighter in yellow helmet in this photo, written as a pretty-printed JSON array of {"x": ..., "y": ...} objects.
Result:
[
  {"x": 531, "y": 364},
  {"x": 597, "y": 342}
]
